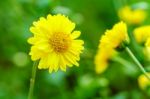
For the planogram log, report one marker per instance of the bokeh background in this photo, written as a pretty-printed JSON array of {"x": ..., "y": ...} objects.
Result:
[{"x": 92, "y": 17}]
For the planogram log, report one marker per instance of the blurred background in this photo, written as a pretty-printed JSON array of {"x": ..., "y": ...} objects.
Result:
[{"x": 92, "y": 17}]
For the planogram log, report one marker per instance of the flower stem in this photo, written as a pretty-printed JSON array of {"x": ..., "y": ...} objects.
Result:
[
  {"x": 32, "y": 80},
  {"x": 124, "y": 62},
  {"x": 137, "y": 62}
]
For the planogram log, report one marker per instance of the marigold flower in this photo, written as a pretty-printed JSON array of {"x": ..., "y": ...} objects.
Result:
[
  {"x": 132, "y": 16},
  {"x": 143, "y": 81},
  {"x": 55, "y": 43},
  {"x": 142, "y": 33},
  {"x": 111, "y": 40}
]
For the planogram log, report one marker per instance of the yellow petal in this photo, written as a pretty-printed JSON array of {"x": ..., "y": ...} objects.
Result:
[
  {"x": 43, "y": 63},
  {"x": 62, "y": 63},
  {"x": 75, "y": 34}
]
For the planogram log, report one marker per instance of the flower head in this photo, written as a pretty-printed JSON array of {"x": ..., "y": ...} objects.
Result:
[
  {"x": 143, "y": 81},
  {"x": 147, "y": 42},
  {"x": 132, "y": 16},
  {"x": 102, "y": 58},
  {"x": 115, "y": 36},
  {"x": 55, "y": 43},
  {"x": 111, "y": 40},
  {"x": 141, "y": 34}
]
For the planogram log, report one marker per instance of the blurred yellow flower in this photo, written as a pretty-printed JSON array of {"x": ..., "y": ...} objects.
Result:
[
  {"x": 108, "y": 43},
  {"x": 114, "y": 37},
  {"x": 143, "y": 81},
  {"x": 142, "y": 33},
  {"x": 55, "y": 43},
  {"x": 146, "y": 51},
  {"x": 118, "y": 35},
  {"x": 101, "y": 60},
  {"x": 132, "y": 16},
  {"x": 148, "y": 42}
]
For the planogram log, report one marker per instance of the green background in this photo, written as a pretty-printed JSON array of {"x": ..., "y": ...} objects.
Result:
[{"x": 92, "y": 17}]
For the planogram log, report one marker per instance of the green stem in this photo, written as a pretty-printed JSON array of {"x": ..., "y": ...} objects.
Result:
[
  {"x": 137, "y": 62},
  {"x": 32, "y": 80},
  {"x": 124, "y": 62}
]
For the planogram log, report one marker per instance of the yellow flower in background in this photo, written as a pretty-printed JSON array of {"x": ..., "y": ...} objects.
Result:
[
  {"x": 108, "y": 43},
  {"x": 146, "y": 51},
  {"x": 114, "y": 37},
  {"x": 55, "y": 43},
  {"x": 143, "y": 81},
  {"x": 132, "y": 16},
  {"x": 119, "y": 34},
  {"x": 142, "y": 33},
  {"x": 101, "y": 60},
  {"x": 148, "y": 42}
]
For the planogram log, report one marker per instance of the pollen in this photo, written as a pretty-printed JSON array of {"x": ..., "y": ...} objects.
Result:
[{"x": 60, "y": 42}]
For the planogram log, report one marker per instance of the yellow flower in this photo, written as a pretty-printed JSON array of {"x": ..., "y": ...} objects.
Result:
[
  {"x": 114, "y": 37},
  {"x": 108, "y": 43},
  {"x": 55, "y": 43},
  {"x": 148, "y": 42},
  {"x": 132, "y": 16},
  {"x": 143, "y": 81},
  {"x": 142, "y": 33},
  {"x": 146, "y": 51},
  {"x": 119, "y": 34},
  {"x": 101, "y": 60}
]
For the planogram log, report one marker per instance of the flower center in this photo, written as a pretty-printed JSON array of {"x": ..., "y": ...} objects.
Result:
[{"x": 60, "y": 42}]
